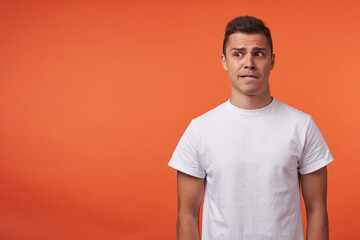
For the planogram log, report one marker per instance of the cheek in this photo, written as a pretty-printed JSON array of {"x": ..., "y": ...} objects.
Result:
[
  {"x": 266, "y": 69},
  {"x": 234, "y": 67},
  {"x": 233, "y": 72}
]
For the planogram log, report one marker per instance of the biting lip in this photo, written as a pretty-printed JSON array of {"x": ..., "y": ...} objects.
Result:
[{"x": 248, "y": 76}]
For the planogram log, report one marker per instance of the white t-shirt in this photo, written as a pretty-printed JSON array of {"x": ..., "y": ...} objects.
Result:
[{"x": 251, "y": 160}]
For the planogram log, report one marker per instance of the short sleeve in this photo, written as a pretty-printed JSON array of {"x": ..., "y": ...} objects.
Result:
[
  {"x": 186, "y": 157},
  {"x": 316, "y": 153}
]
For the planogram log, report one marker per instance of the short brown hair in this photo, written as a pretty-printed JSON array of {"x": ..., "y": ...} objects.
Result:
[{"x": 246, "y": 24}]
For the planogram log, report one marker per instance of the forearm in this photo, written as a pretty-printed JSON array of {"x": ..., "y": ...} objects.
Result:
[
  {"x": 317, "y": 225},
  {"x": 187, "y": 228}
]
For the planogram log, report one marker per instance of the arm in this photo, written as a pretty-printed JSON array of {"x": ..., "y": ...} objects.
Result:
[
  {"x": 190, "y": 192},
  {"x": 314, "y": 193}
]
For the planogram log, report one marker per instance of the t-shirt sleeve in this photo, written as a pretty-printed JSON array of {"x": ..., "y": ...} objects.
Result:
[
  {"x": 316, "y": 153},
  {"x": 186, "y": 157}
]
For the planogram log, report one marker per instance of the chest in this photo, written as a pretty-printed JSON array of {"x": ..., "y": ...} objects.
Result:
[{"x": 245, "y": 148}]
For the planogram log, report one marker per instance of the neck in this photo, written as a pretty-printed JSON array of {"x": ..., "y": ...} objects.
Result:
[{"x": 250, "y": 102}]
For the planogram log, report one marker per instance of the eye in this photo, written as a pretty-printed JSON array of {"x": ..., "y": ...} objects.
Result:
[
  {"x": 238, "y": 54},
  {"x": 260, "y": 54}
]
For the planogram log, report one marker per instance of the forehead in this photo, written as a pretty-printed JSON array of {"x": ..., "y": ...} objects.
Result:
[{"x": 245, "y": 40}]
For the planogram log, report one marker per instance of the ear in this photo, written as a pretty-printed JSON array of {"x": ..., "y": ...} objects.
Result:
[
  {"x": 223, "y": 62},
  {"x": 272, "y": 61}
]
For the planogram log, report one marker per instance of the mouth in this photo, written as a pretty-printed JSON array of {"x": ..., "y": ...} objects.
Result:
[{"x": 249, "y": 76}]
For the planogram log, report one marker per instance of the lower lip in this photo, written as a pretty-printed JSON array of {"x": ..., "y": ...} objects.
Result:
[{"x": 249, "y": 78}]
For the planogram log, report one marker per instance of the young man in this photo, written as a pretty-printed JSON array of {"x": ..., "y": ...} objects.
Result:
[{"x": 251, "y": 153}]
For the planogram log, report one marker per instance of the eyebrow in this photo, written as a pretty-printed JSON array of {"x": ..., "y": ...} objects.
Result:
[
  {"x": 242, "y": 49},
  {"x": 237, "y": 49}
]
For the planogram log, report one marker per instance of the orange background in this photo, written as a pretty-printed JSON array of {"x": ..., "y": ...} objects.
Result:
[{"x": 95, "y": 95}]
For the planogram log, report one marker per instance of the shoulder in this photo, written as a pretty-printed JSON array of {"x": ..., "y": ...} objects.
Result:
[
  {"x": 213, "y": 115},
  {"x": 291, "y": 113}
]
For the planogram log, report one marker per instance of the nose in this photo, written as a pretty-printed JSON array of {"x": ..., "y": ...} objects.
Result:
[{"x": 249, "y": 62}]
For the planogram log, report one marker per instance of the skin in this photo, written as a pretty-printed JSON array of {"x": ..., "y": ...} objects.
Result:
[
  {"x": 190, "y": 191},
  {"x": 314, "y": 190},
  {"x": 248, "y": 61}
]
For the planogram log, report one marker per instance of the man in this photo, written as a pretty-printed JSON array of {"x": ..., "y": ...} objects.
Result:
[{"x": 250, "y": 154}]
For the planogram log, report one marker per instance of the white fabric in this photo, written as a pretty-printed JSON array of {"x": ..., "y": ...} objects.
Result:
[{"x": 251, "y": 160}]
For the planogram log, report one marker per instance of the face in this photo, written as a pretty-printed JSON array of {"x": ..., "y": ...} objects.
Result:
[{"x": 248, "y": 62}]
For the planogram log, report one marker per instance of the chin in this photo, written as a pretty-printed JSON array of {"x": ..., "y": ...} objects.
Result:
[{"x": 250, "y": 92}]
